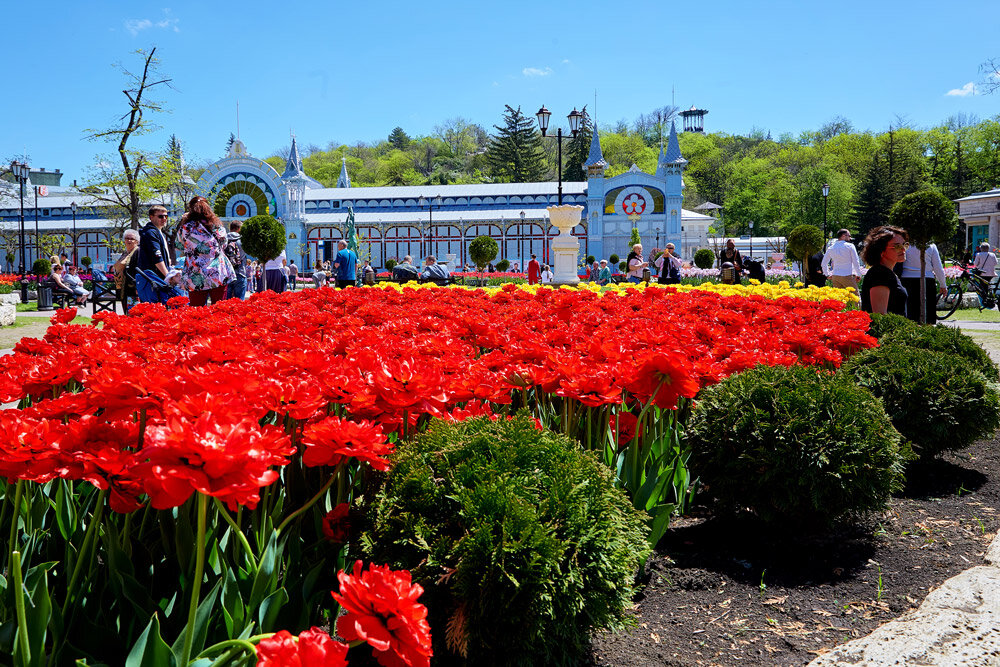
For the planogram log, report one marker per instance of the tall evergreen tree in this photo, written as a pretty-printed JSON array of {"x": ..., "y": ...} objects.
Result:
[
  {"x": 515, "y": 152},
  {"x": 229, "y": 144},
  {"x": 399, "y": 139},
  {"x": 579, "y": 149},
  {"x": 874, "y": 201}
]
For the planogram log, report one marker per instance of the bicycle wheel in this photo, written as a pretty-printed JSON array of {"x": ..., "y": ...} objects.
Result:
[{"x": 948, "y": 302}]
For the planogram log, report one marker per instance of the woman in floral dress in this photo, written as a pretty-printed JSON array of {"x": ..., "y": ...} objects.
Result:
[{"x": 207, "y": 270}]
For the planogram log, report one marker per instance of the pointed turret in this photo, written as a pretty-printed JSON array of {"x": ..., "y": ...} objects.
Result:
[
  {"x": 344, "y": 181},
  {"x": 595, "y": 164},
  {"x": 673, "y": 154},
  {"x": 293, "y": 168}
]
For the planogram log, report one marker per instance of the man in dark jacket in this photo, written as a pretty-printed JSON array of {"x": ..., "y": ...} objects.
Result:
[
  {"x": 153, "y": 254},
  {"x": 238, "y": 258}
]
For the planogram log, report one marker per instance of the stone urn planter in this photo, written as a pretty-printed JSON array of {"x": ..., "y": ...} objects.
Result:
[{"x": 565, "y": 247}]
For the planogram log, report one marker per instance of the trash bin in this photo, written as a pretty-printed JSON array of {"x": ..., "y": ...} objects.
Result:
[{"x": 44, "y": 298}]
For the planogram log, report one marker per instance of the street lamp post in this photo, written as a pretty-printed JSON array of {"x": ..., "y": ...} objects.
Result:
[
  {"x": 751, "y": 239},
  {"x": 72, "y": 206},
  {"x": 826, "y": 194},
  {"x": 520, "y": 243},
  {"x": 575, "y": 119},
  {"x": 430, "y": 204},
  {"x": 21, "y": 171}
]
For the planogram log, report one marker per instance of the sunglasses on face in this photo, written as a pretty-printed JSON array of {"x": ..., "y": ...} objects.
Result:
[{"x": 899, "y": 246}]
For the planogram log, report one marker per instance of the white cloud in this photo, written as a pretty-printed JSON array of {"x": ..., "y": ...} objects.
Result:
[
  {"x": 964, "y": 91},
  {"x": 168, "y": 22},
  {"x": 566, "y": 61},
  {"x": 534, "y": 71},
  {"x": 135, "y": 26}
]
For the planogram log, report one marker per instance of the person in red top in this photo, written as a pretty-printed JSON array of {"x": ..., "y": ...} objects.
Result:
[{"x": 534, "y": 271}]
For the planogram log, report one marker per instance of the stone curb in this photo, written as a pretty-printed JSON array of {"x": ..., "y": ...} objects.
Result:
[{"x": 957, "y": 624}]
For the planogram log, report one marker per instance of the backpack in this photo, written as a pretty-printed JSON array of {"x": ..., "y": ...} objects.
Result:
[{"x": 236, "y": 256}]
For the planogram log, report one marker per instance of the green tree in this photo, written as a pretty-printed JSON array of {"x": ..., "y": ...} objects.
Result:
[
  {"x": 263, "y": 237},
  {"x": 482, "y": 251},
  {"x": 515, "y": 152},
  {"x": 874, "y": 200},
  {"x": 929, "y": 217},
  {"x": 803, "y": 241},
  {"x": 399, "y": 139},
  {"x": 143, "y": 173},
  {"x": 634, "y": 237},
  {"x": 578, "y": 150}
]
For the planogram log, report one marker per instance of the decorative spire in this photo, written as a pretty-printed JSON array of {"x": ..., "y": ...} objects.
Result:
[
  {"x": 293, "y": 168},
  {"x": 595, "y": 164},
  {"x": 673, "y": 154},
  {"x": 344, "y": 181}
]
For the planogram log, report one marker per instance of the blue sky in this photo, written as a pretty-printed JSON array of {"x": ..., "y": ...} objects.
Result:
[{"x": 349, "y": 72}]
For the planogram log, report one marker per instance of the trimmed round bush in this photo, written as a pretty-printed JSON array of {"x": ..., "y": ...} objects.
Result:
[
  {"x": 483, "y": 250},
  {"x": 520, "y": 539},
  {"x": 263, "y": 237},
  {"x": 940, "y": 338},
  {"x": 42, "y": 267},
  {"x": 613, "y": 259},
  {"x": 937, "y": 401},
  {"x": 503, "y": 265},
  {"x": 794, "y": 445},
  {"x": 888, "y": 323},
  {"x": 622, "y": 266},
  {"x": 590, "y": 260},
  {"x": 704, "y": 258},
  {"x": 390, "y": 264}
]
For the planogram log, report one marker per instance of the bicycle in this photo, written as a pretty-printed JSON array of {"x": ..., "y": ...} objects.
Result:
[{"x": 987, "y": 291}]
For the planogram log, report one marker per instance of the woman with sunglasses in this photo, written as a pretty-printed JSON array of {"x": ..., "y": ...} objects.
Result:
[{"x": 882, "y": 292}]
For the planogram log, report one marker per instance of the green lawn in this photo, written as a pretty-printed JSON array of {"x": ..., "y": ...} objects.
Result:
[
  {"x": 975, "y": 315},
  {"x": 31, "y": 306}
]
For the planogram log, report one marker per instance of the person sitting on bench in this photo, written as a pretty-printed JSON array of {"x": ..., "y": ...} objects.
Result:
[
  {"x": 434, "y": 271},
  {"x": 60, "y": 287}
]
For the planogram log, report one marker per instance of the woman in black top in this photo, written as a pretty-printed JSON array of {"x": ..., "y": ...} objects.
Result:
[{"x": 882, "y": 291}]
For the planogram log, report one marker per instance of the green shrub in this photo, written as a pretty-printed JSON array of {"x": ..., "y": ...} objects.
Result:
[
  {"x": 521, "y": 540},
  {"x": 504, "y": 264},
  {"x": 263, "y": 237},
  {"x": 613, "y": 260},
  {"x": 483, "y": 250},
  {"x": 888, "y": 323},
  {"x": 6, "y": 289},
  {"x": 590, "y": 260},
  {"x": 945, "y": 339},
  {"x": 86, "y": 261},
  {"x": 622, "y": 266},
  {"x": 704, "y": 258},
  {"x": 937, "y": 401},
  {"x": 390, "y": 264},
  {"x": 794, "y": 445},
  {"x": 42, "y": 267}
]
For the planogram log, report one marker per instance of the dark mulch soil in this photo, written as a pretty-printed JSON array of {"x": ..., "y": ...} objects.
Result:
[{"x": 726, "y": 593}]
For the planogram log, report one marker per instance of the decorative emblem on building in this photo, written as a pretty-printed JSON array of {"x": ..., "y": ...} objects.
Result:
[{"x": 634, "y": 204}]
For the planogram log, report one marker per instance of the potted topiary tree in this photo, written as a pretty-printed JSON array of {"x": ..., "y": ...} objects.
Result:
[
  {"x": 613, "y": 261},
  {"x": 263, "y": 237},
  {"x": 42, "y": 268},
  {"x": 704, "y": 258},
  {"x": 929, "y": 217},
  {"x": 803, "y": 241},
  {"x": 482, "y": 251}
]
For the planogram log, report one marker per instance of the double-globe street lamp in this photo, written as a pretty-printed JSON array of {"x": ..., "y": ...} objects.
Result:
[
  {"x": 21, "y": 172},
  {"x": 575, "y": 120},
  {"x": 72, "y": 206},
  {"x": 826, "y": 194}
]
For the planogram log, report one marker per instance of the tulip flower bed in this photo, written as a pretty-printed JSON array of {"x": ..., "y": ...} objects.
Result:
[{"x": 190, "y": 473}]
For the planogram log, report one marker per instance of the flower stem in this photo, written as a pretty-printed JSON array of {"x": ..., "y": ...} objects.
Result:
[
  {"x": 19, "y": 489},
  {"x": 199, "y": 569},
  {"x": 95, "y": 521},
  {"x": 22, "y": 619},
  {"x": 319, "y": 494},
  {"x": 239, "y": 533}
]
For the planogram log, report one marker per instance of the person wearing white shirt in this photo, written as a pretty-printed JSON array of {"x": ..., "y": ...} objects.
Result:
[
  {"x": 547, "y": 274},
  {"x": 986, "y": 262},
  {"x": 274, "y": 277},
  {"x": 840, "y": 262},
  {"x": 910, "y": 277}
]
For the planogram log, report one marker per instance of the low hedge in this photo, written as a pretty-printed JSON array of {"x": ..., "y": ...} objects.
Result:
[
  {"x": 936, "y": 400},
  {"x": 521, "y": 540},
  {"x": 794, "y": 445},
  {"x": 940, "y": 338},
  {"x": 885, "y": 324}
]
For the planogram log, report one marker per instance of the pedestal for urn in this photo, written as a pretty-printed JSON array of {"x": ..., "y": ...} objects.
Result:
[{"x": 565, "y": 247}]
